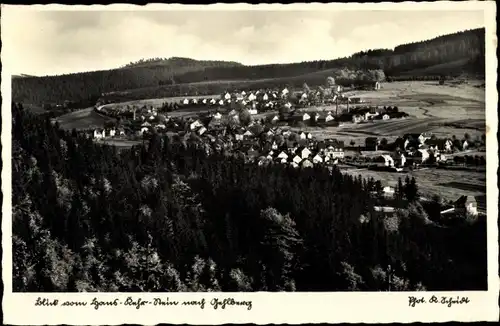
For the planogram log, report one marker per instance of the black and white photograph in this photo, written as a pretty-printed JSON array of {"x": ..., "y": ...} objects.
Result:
[{"x": 244, "y": 150}]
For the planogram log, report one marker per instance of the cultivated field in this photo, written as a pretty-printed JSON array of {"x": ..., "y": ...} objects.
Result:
[
  {"x": 83, "y": 119},
  {"x": 448, "y": 184},
  {"x": 444, "y": 110}
]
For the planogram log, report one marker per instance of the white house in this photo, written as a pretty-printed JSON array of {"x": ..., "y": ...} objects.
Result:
[
  {"x": 448, "y": 145},
  {"x": 297, "y": 159},
  {"x": 253, "y": 111},
  {"x": 161, "y": 126},
  {"x": 201, "y": 130},
  {"x": 195, "y": 124},
  {"x": 465, "y": 145},
  {"x": 305, "y": 117},
  {"x": 389, "y": 161},
  {"x": 288, "y": 105},
  {"x": 243, "y": 93},
  {"x": 252, "y": 97},
  {"x": 221, "y": 102},
  {"x": 386, "y": 117},
  {"x": 304, "y": 153},
  {"x": 112, "y": 132},
  {"x": 423, "y": 137},
  {"x": 204, "y": 101},
  {"x": 357, "y": 118},
  {"x": 274, "y": 146},
  {"x": 217, "y": 116},
  {"x": 283, "y": 155},
  {"x": 425, "y": 154},
  {"x": 213, "y": 101},
  {"x": 238, "y": 136},
  {"x": 143, "y": 130},
  {"x": 302, "y": 135},
  {"x": 248, "y": 133},
  {"x": 317, "y": 159},
  {"x": 195, "y": 101},
  {"x": 303, "y": 96},
  {"x": 186, "y": 101},
  {"x": 265, "y": 97},
  {"x": 294, "y": 164},
  {"x": 99, "y": 133},
  {"x": 328, "y": 117},
  {"x": 307, "y": 164},
  {"x": 309, "y": 135},
  {"x": 284, "y": 92},
  {"x": 227, "y": 96}
]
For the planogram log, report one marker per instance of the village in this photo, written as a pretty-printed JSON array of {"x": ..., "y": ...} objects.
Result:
[{"x": 269, "y": 126}]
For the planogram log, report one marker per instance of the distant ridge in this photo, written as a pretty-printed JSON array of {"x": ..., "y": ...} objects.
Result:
[
  {"x": 22, "y": 76},
  {"x": 454, "y": 54}
]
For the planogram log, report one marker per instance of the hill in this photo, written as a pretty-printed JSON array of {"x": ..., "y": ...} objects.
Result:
[
  {"x": 161, "y": 76},
  {"x": 82, "y": 86}
]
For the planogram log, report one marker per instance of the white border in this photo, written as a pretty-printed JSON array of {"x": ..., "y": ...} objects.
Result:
[{"x": 290, "y": 308}]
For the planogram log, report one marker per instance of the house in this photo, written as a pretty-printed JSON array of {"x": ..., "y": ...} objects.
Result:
[
  {"x": 357, "y": 118},
  {"x": 303, "y": 96},
  {"x": 389, "y": 161},
  {"x": 423, "y": 137},
  {"x": 335, "y": 151},
  {"x": 466, "y": 204},
  {"x": 221, "y": 102},
  {"x": 306, "y": 164},
  {"x": 306, "y": 117},
  {"x": 99, "y": 133},
  {"x": 448, "y": 145},
  {"x": 465, "y": 145},
  {"x": 195, "y": 101},
  {"x": 185, "y": 102},
  {"x": 284, "y": 92},
  {"x": 304, "y": 152},
  {"x": 265, "y": 97},
  {"x": 204, "y": 101},
  {"x": 297, "y": 159},
  {"x": 282, "y": 155},
  {"x": 423, "y": 154},
  {"x": 195, "y": 125},
  {"x": 243, "y": 94},
  {"x": 144, "y": 130},
  {"x": 388, "y": 191},
  {"x": 386, "y": 116},
  {"x": 227, "y": 96},
  {"x": 294, "y": 164},
  {"x": 302, "y": 135},
  {"x": 112, "y": 132},
  {"x": 217, "y": 116},
  {"x": 253, "y": 111},
  {"x": 376, "y": 86},
  {"x": 329, "y": 117},
  {"x": 252, "y": 97},
  {"x": 248, "y": 134},
  {"x": 201, "y": 130},
  {"x": 317, "y": 159},
  {"x": 213, "y": 101}
]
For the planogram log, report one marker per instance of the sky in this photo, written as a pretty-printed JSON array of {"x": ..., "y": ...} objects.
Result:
[{"x": 58, "y": 42}]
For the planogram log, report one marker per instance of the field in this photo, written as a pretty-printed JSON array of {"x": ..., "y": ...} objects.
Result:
[
  {"x": 83, "y": 119},
  {"x": 448, "y": 184},
  {"x": 444, "y": 110}
]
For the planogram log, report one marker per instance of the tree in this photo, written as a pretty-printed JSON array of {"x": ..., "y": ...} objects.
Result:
[{"x": 245, "y": 117}]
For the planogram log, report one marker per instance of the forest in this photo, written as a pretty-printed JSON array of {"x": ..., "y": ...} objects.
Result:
[
  {"x": 163, "y": 77},
  {"x": 163, "y": 216}
]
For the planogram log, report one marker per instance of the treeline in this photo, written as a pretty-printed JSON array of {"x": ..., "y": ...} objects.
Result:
[
  {"x": 165, "y": 217},
  {"x": 468, "y": 46},
  {"x": 179, "y": 61}
]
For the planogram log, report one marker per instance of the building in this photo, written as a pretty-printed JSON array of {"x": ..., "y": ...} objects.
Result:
[{"x": 306, "y": 164}]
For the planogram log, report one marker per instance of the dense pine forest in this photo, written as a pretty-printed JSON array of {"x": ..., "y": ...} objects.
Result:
[
  {"x": 462, "y": 52},
  {"x": 163, "y": 216}
]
